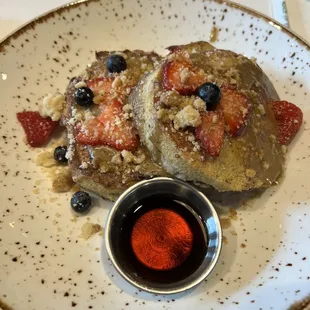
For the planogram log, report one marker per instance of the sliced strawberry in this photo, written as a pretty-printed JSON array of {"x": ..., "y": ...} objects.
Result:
[
  {"x": 289, "y": 119},
  {"x": 211, "y": 132},
  {"x": 109, "y": 129},
  {"x": 111, "y": 113},
  {"x": 102, "y": 86},
  {"x": 235, "y": 106},
  {"x": 37, "y": 128},
  {"x": 181, "y": 75}
]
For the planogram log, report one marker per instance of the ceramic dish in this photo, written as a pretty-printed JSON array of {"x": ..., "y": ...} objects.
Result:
[{"x": 45, "y": 264}]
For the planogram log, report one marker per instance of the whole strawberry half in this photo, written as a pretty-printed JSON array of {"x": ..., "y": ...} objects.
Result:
[
  {"x": 37, "y": 128},
  {"x": 289, "y": 120}
]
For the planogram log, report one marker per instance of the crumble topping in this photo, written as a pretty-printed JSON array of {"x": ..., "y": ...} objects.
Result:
[
  {"x": 46, "y": 159},
  {"x": 98, "y": 98},
  {"x": 261, "y": 109},
  {"x": 60, "y": 175},
  {"x": 80, "y": 84},
  {"x": 76, "y": 115},
  {"x": 70, "y": 151},
  {"x": 155, "y": 61},
  {"x": 250, "y": 173},
  {"x": 104, "y": 167},
  {"x": 233, "y": 76},
  {"x": 84, "y": 165},
  {"x": 117, "y": 82},
  {"x": 123, "y": 79},
  {"x": 90, "y": 229},
  {"x": 184, "y": 75},
  {"x": 116, "y": 159},
  {"x": 127, "y": 108},
  {"x": 214, "y": 119},
  {"x": 52, "y": 106},
  {"x": 164, "y": 115},
  {"x": 273, "y": 137},
  {"x": 191, "y": 138},
  {"x": 128, "y": 157},
  {"x": 183, "y": 111},
  {"x": 128, "y": 116},
  {"x": 199, "y": 105},
  {"x": 187, "y": 117},
  {"x": 169, "y": 98},
  {"x": 62, "y": 181}
]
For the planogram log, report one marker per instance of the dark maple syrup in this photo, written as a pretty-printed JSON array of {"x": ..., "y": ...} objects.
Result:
[{"x": 187, "y": 247}]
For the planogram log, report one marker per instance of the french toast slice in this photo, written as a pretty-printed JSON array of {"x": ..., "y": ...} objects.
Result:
[
  {"x": 104, "y": 153},
  {"x": 234, "y": 147}
]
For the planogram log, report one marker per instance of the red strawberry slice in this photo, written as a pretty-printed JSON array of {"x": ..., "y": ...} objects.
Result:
[
  {"x": 289, "y": 120},
  {"x": 102, "y": 85},
  {"x": 211, "y": 132},
  {"x": 110, "y": 128},
  {"x": 37, "y": 128},
  {"x": 235, "y": 106},
  {"x": 181, "y": 75}
]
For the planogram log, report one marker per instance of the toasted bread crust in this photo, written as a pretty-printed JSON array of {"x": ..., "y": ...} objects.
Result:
[{"x": 253, "y": 160}]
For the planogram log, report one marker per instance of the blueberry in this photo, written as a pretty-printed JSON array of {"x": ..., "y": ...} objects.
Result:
[
  {"x": 116, "y": 63},
  {"x": 60, "y": 154},
  {"x": 81, "y": 202},
  {"x": 84, "y": 96},
  {"x": 211, "y": 94}
]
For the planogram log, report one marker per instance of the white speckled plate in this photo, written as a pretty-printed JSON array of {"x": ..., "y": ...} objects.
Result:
[{"x": 43, "y": 262}]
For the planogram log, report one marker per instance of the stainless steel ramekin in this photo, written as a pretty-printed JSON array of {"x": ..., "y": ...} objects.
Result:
[{"x": 182, "y": 192}]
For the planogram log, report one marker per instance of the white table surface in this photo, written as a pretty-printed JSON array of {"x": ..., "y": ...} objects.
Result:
[{"x": 14, "y": 13}]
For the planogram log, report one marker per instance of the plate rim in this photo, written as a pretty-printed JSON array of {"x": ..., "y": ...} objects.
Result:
[{"x": 49, "y": 14}]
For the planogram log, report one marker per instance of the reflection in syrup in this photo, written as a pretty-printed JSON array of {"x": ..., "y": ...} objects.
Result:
[{"x": 163, "y": 240}]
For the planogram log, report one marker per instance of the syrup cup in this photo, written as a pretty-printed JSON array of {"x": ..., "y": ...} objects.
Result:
[{"x": 192, "y": 199}]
